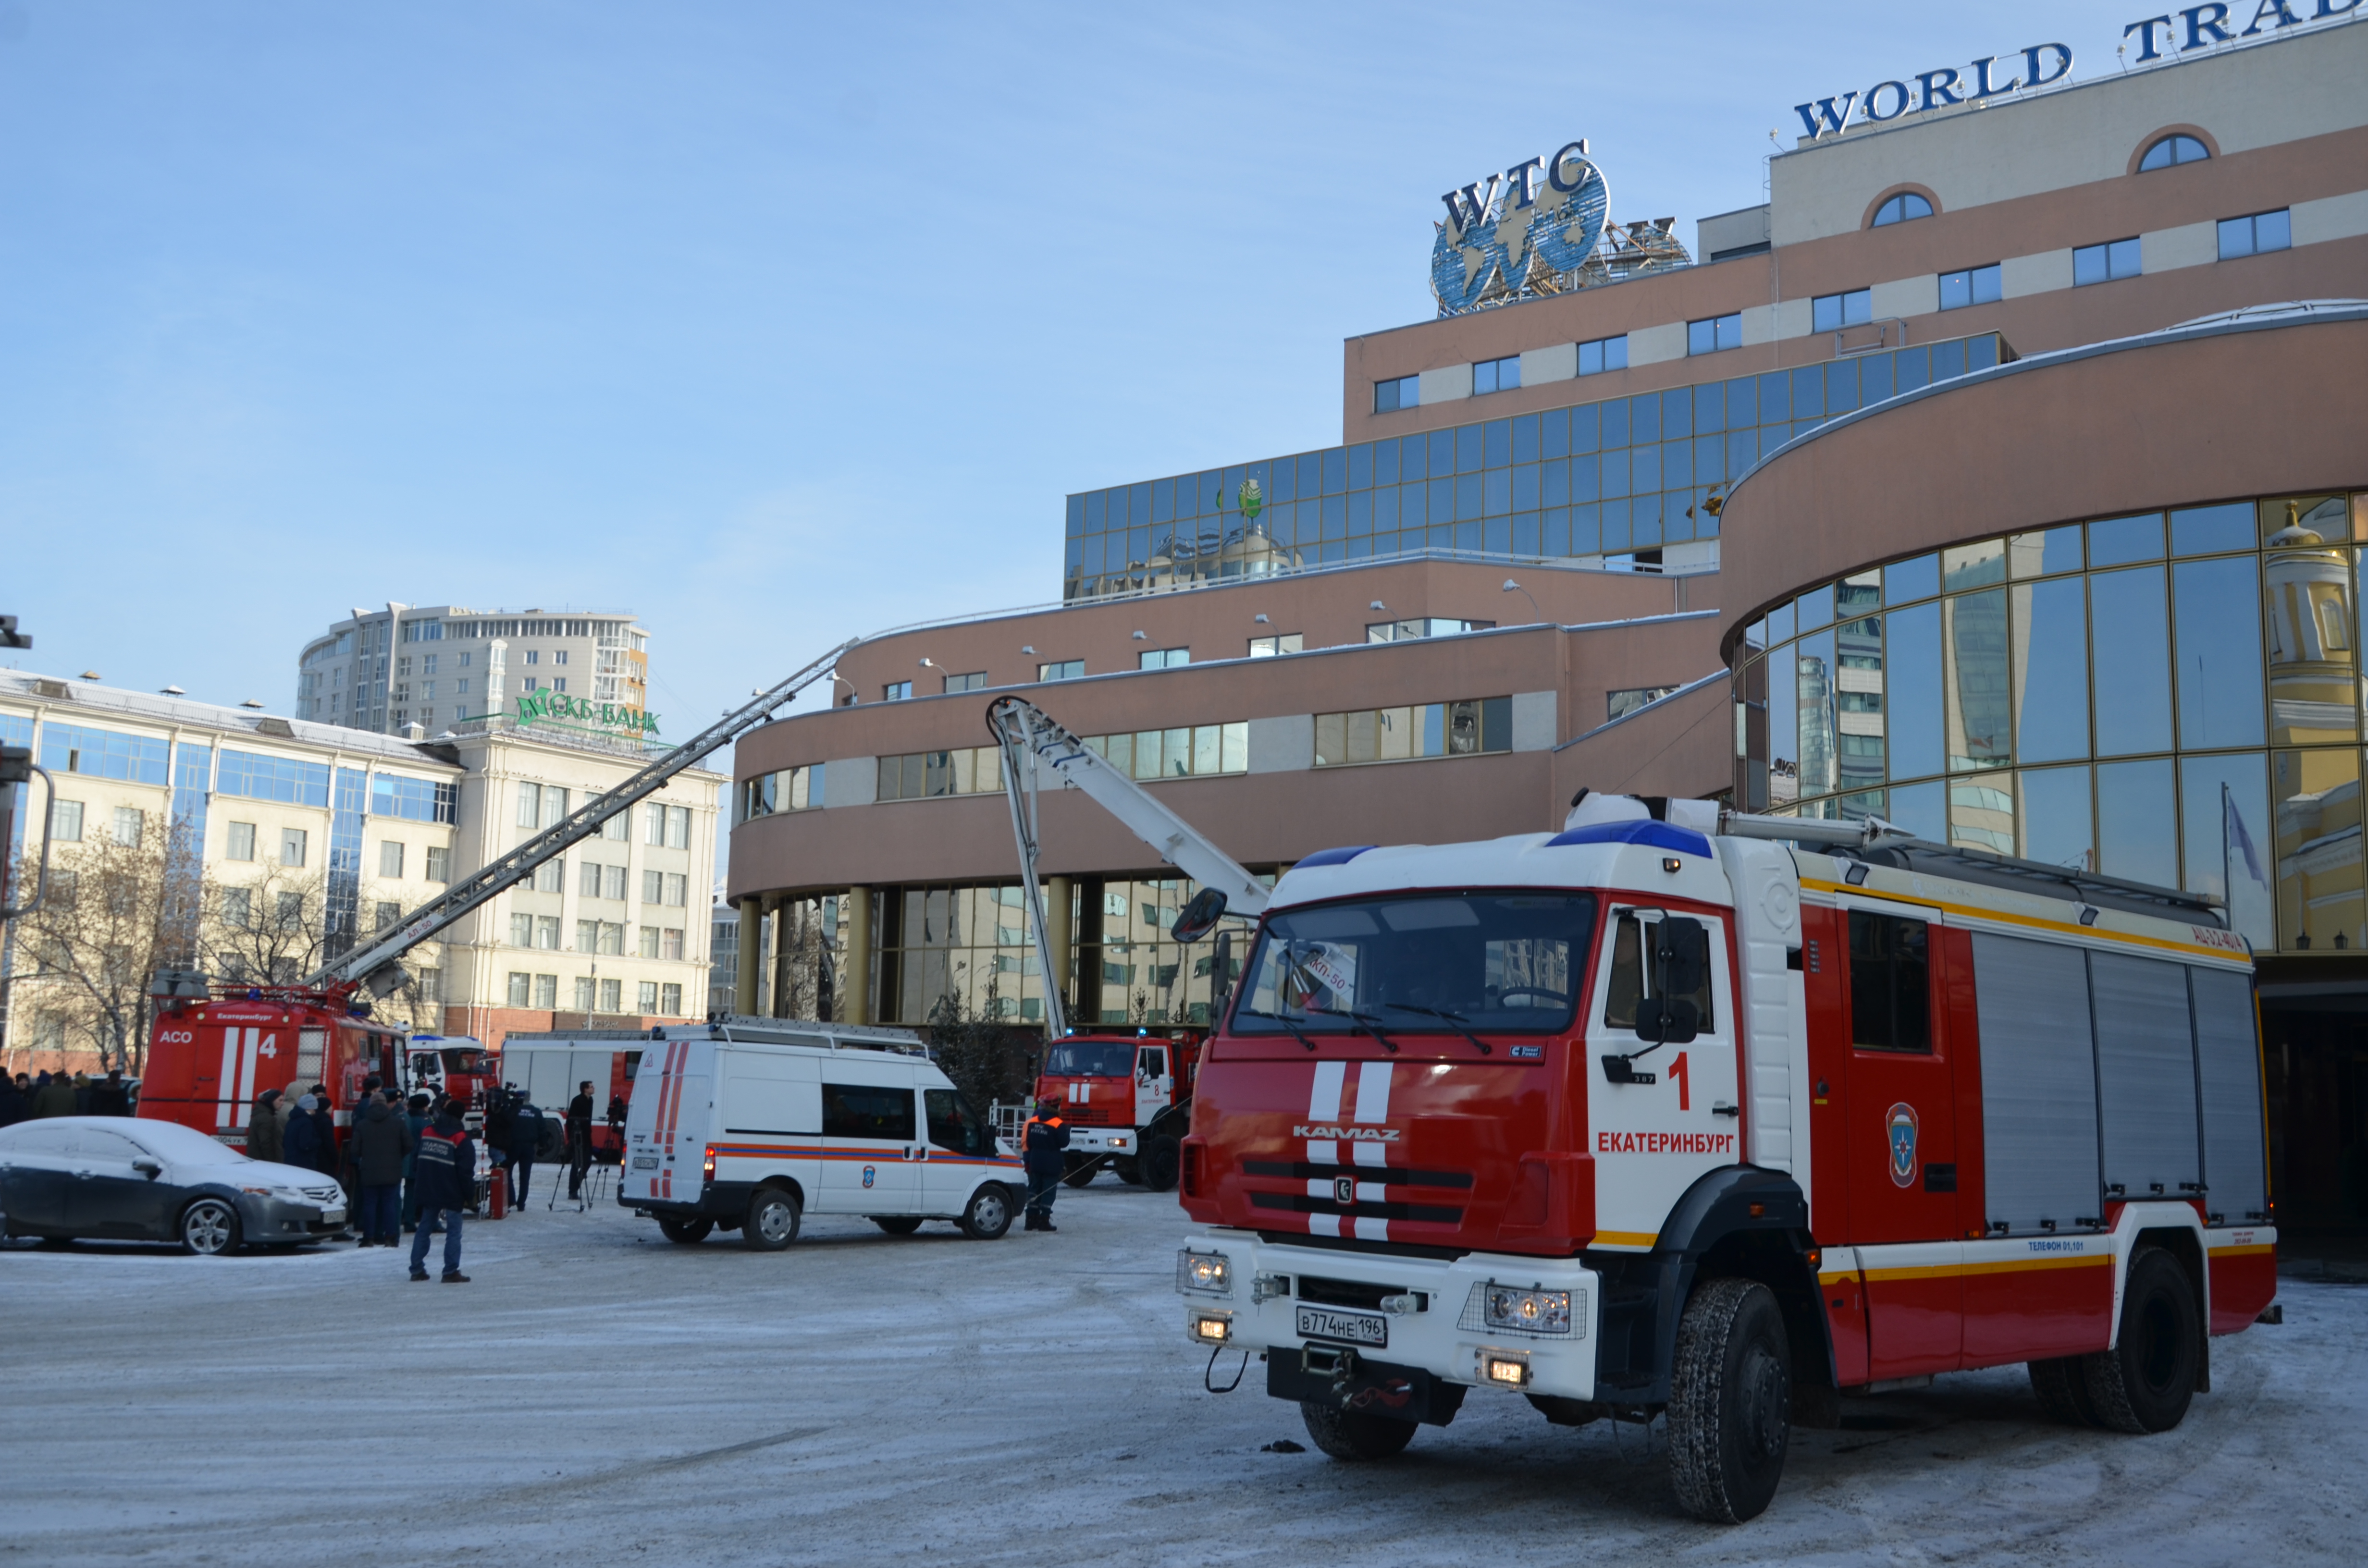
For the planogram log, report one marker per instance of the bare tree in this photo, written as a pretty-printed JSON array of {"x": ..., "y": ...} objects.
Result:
[
  {"x": 112, "y": 914},
  {"x": 272, "y": 930}
]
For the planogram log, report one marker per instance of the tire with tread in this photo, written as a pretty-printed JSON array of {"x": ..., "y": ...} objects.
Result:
[
  {"x": 685, "y": 1232},
  {"x": 2145, "y": 1382},
  {"x": 1730, "y": 1400},
  {"x": 987, "y": 1215},
  {"x": 1352, "y": 1435},
  {"x": 1162, "y": 1160},
  {"x": 1081, "y": 1171},
  {"x": 1129, "y": 1171},
  {"x": 2062, "y": 1385},
  {"x": 897, "y": 1225},
  {"x": 209, "y": 1228},
  {"x": 774, "y": 1214}
]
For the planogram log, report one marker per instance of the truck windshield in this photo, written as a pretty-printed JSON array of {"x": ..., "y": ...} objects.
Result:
[
  {"x": 1091, "y": 1059},
  {"x": 460, "y": 1062},
  {"x": 1505, "y": 962}
]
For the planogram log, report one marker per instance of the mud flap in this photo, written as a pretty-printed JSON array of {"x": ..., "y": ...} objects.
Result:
[{"x": 1338, "y": 1375}]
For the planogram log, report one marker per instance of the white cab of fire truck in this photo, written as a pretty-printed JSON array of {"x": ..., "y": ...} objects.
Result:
[
  {"x": 1859, "y": 1118},
  {"x": 752, "y": 1124}
]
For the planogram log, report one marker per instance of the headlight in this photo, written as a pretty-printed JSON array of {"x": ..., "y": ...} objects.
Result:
[
  {"x": 1204, "y": 1273},
  {"x": 1526, "y": 1312}
]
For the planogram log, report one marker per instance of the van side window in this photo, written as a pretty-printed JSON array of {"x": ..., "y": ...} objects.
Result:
[
  {"x": 867, "y": 1111},
  {"x": 1890, "y": 983},
  {"x": 1152, "y": 1063},
  {"x": 1626, "y": 987},
  {"x": 952, "y": 1124}
]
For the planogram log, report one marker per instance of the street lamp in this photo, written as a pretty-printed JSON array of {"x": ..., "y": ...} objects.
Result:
[{"x": 1512, "y": 587}]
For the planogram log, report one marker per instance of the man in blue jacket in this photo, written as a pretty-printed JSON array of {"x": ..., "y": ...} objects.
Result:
[
  {"x": 1044, "y": 1157},
  {"x": 446, "y": 1167}
]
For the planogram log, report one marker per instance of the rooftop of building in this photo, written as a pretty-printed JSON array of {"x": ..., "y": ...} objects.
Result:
[{"x": 182, "y": 712}]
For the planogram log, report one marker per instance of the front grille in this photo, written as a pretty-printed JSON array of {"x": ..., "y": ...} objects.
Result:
[
  {"x": 324, "y": 1194},
  {"x": 1301, "y": 1203},
  {"x": 1390, "y": 1175},
  {"x": 1092, "y": 1115},
  {"x": 1346, "y": 1292}
]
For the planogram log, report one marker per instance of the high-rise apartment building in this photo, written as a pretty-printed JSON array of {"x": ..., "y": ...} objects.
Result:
[{"x": 436, "y": 666}]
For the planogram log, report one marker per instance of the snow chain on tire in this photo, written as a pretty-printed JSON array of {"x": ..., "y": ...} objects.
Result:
[{"x": 1730, "y": 1400}]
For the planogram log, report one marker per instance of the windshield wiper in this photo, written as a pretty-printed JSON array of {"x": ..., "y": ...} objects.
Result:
[
  {"x": 1453, "y": 1021},
  {"x": 1296, "y": 1033},
  {"x": 1364, "y": 1025}
]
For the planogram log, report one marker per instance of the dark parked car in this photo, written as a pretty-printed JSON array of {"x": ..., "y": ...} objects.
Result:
[{"x": 110, "y": 1179}]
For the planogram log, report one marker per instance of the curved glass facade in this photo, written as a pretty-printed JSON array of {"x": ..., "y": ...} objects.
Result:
[{"x": 2170, "y": 697}]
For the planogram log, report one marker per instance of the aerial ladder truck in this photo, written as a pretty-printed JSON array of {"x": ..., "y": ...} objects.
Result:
[
  {"x": 1126, "y": 1095},
  {"x": 209, "y": 1055}
]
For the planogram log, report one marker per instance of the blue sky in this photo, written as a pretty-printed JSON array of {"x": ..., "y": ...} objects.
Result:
[{"x": 772, "y": 324}]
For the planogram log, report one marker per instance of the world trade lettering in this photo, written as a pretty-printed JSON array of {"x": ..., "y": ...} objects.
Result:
[
  {"x": 2202, "y": 27},
  {"x": 534, "y": 707},
  {"x": 2042, "y": 63}
]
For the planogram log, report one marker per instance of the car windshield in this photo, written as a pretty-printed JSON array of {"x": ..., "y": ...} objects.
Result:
[
  {"x": 1091, "y": 1059},
  {"x": 1417, "y": 963},
  {"x": 187, "y": 1145}
]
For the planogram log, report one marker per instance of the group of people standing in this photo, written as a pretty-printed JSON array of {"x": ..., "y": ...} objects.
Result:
[
  {"x": 27, "y": 1097},
  {"x": 408, "y": 1166}
]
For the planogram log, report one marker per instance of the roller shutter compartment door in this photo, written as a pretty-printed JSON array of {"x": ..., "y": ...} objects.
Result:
[
  {"x": 2039, "y": 1084},
  {"x": 2145, "y": 1077},
  {"x": 2229, "y": 1068}
]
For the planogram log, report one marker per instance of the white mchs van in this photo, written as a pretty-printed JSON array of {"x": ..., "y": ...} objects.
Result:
[{"x": 750, "y": 1125}]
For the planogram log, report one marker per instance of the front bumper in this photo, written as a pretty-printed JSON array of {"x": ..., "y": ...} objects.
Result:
[
  {"x": 1444, "y": 1335},
  {"x": 278, "y": 1220},
  {"x": 1103, "y": 1140}
]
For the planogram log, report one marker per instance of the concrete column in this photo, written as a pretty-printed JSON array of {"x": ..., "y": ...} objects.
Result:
[
  {"x": 1088, "y": 1010},
  {"x": 752, "y": 925},
  {"x": 856, "y": 1004},
  {"x": 1057, "y": 937},
  {"x": 782, "y": 938}
]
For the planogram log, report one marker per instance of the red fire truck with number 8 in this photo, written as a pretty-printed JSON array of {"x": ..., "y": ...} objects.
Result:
[{"x": 1688, "y": 1113}]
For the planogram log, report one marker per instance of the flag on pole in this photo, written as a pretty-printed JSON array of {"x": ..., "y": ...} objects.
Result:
[{"x": 2237, "y": 840}]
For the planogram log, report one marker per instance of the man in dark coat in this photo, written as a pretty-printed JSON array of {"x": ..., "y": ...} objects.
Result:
[
  {"x": 55, "y": 1098},
  {"x": 263, "y": 1127},
  {"x": 524, "y": 1143},
  {"x": 111, "y": 1095},
  {"x": 325, "y": 1127},
  {"x": 416, "y": 1117},
  {"x": 300, "y": 1141},
  {"x": 1044, "y": 1157},
  {"x": 380, "y": 1140},
  {"x": 447, "y": 1167},
  {"x": 12, "y": 1100},
  {"x": 579, "y": 1137}
]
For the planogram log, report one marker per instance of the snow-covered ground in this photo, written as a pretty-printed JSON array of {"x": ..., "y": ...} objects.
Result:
[{"x": 600, "y": 1396}]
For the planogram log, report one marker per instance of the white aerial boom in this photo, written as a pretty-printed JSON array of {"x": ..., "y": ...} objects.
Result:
[{"x": 1031, "y": 739}]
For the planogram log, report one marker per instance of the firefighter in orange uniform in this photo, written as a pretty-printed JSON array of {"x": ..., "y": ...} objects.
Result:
[{"x": 1044, "y": 1155}]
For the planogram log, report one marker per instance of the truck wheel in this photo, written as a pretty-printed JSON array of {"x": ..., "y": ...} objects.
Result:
[
  {"x": 209, "y": 1228},
  {"x": 1353, "y": 1434},
  {"x": 897, "y": 1225},
  {"x": 988, "y": 1214},
  {"x": 1081, "y": 1169},
  {"x": 685, "y": 1232},
  {"x": 2062, "y": 1385},
  {"x": 1129, "y": 1171},
  {"x": 2145, "y": 1381},
  {"x": 1161, "y": 1158},
  {"x": 772, "y": 1222},
  {"x": 1730, "y": 1401}
]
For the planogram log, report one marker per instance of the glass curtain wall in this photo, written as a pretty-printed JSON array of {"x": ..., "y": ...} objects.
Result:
[
  {"x": 2174, "y": 698},
  {"x": 1607, "y": 478}
]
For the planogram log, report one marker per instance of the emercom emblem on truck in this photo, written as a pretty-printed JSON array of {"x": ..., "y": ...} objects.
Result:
[{"x": 1899, "y": 1125}]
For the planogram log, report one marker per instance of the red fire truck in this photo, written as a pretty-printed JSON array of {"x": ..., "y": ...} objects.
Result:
[
  {"x": 209, "y": 1056},
  {"x": 1127, "y": 1098},
  {"x": 1665, "y": 1115}
]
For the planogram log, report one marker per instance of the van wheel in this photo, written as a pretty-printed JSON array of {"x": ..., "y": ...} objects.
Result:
[
  {"x": 988, "y": 1214},
  {"x": 897, "y": 1225},
  {"x": 1353, "y": 1434},
  {"x": 1730, "y": 1401},
  {"x": 2145, "y": 1381},
  {"x": 209, "y": 1228},
  {"x": 1161, "y": 1158},
  {"x": 685, "y": 1232},
  {"x": 772, "y": 1222},
  {"x": 2062, "y": 1385},
  {"x": 1081, "y": 1169}
]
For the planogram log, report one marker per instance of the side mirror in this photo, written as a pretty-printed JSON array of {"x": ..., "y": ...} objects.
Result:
[
  {"x": 148, "y": 1168},
  {"x": 1221, "y": 973},
  {"x": 1199, "y": 916},
  {"x": 1680, "y": 964}
]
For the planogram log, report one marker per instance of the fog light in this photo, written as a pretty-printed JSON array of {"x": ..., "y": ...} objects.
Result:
[
  {"x": 1531, "y": 1311},
  {"x": 1505, "y": 1371},
  {"x": 1212, "y": 1328},
  {"x": 1208, "y": 1273},
  {"x": 1118, "y": 1143}
]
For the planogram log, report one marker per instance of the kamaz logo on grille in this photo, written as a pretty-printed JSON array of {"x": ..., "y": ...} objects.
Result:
[
  {"x": 1344, "y": 1189},
  {"x": 1359, "y": 1134}
]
